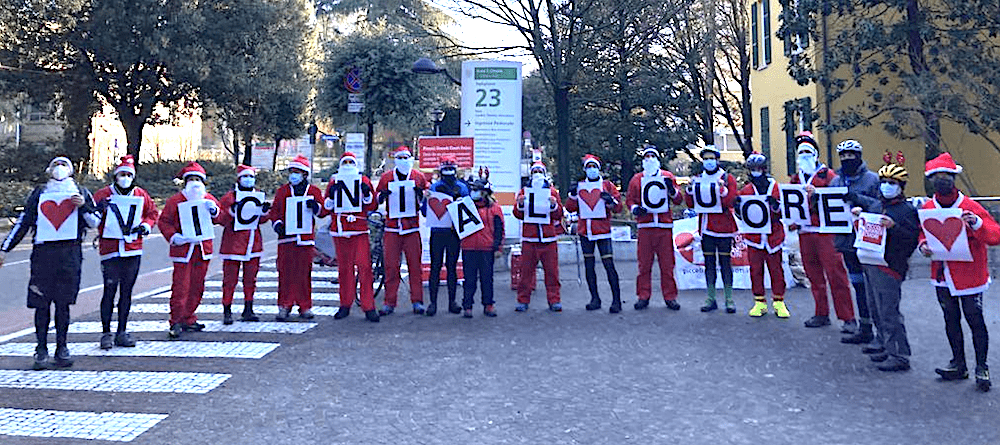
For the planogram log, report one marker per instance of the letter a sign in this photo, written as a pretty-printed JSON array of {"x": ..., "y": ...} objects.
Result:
[
  {"x": 654, "y": 194},
  {"x": 465, "y": 217}
]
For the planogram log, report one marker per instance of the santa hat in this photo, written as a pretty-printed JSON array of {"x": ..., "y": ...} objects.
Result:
[
  {"x": 245, "y": 170},
  {"x": 300, "y": 162},
  {"x": 806, "y": 138},
  {"x": 448, "y": 160},
  {"x": 942, "y": 163},
  {"x": 651, "y": 149},
  {"x": 348, "y": 156},
  {"x": 591, "y": 159},
  {"x": 540, "y": 165},
  {"x": 127, "y": 164},
  {"x": 192, "y": 168},
  {"x": 401, "y": 150}
]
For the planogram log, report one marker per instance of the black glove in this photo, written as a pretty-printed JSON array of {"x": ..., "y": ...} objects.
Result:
[
  {"x": 418, "y": 190},
  {"x": 335, "y": 187},
  {"x": 773, "y": 203},
  {"x": 639, "y": 211},
  {"x": 607, "y": 197},
  {"x": 851, "y": 196},
  {"x": 572, "y": 189},
  {"x": 140, "y": 230},
  {"x": 736, "y": 203},
  {"x": 383, "y": 195},
  {"x": 313, "y": 205},
  {"x": 232, "y": 207},
  {"x": 265, "y": 207},
  {"x": 670, "y": 186},
  {"x": 279, "y": 228},
  {"x": 103, "y": 205},
  {"x": 366, "y": 189}
]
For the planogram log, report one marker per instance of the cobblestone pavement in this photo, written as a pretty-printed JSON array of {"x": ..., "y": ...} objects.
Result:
[{"x": 648, "y": 377}]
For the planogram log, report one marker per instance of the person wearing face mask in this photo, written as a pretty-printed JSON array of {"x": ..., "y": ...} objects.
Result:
[
  {"x": 350, "y": 239},
  {"x": 402, "y": 235},
  {"x": 445, "y": 243},
  {"x": 960, "y": 285},
  {"x": 821, "y": 260},
  {"x": 597, "y": 233},
  {"x": 656, "y": 235},
  {"x": 902, "y": 225},
  {"x": 480, "y": 249},
  {"x": 190, "y": 257},
  {"x": 295, "y": 252},
  {"x": 55, "y": 265},
  {"x": 765, "y": 250},
  {"x": 863, "y": 192},
  {"x": 538, "y": 243},
  {"x": 120, "y": 259},
  {"x": 240, "y": 248},
  {"x": 716, "y": 229}
]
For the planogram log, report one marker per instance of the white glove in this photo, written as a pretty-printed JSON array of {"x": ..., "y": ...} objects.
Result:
[
  {"x": 328, "y": 204},
  {"x": 179, "y": 240},
  {"x": 351, "y": 218},
  {"x": 211, "y": 207}
]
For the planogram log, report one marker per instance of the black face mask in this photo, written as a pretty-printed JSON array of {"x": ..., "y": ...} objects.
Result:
[
  {"x": 944, "y": 186},
  {"x": 850, "y": 166}
]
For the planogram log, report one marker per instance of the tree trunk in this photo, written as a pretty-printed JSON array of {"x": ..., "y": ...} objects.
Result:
[
  {"x": 236, "y": 147},
  {"x": 248, "y": 148},
  {"x": 133, "y": 132},
  {"x": 918, "y": 63},
  {"x": 368, "y": 148},
  {"x": 561, "y": 100}
]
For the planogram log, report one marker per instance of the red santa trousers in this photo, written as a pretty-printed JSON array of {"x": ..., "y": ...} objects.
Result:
[
  {"x": 187, "y": 288},
  {"x": 395, "y": 246},
  {"x": 758, "y": 259},
  {"x": 231, "y": 274},
  {"x": 531, "y": 254},
  {"x": 355, "y": 252},
  {"x": 295, "y": 276},
  {"x": 823, "y": 263},
  {"x": 659, "y": 242}
]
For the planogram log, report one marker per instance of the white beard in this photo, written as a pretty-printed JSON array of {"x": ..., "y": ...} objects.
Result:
[{"x": 66, "y": 186}]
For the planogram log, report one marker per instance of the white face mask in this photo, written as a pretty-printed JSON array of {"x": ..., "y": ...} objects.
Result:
[
  {"x": 807, "y": 162},
  {"x": 247, "y": 182},
  {"x": 404, "y": 165},
  {"x": 711, "y": 165},
  {"x": 448, "y": 172},
  {"x": 348, "y": 169},
  {"x": 124, "y": 182},
  {"x": 194, "y": 190},
  {"x": 61, "y": 172},
  {"x": 593, "y": 172},
  {"x": 538, "y": 177},
  {"x": 650, "y": 165},
  {"x": 295, "y": 178},
  {"x": 756, "y": 174},
  {"x": 889, "y": 190}
]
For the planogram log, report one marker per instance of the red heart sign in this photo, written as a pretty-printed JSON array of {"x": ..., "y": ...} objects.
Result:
[
  {"x": 57, "y": 213},
  {"x": 946, "y": 232},
  {"x": 591, "y": 197},
  {"x": 439, "y": 206}
]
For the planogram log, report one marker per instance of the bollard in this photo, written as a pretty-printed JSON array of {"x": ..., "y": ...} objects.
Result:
[{"x": 515, "y": 267}]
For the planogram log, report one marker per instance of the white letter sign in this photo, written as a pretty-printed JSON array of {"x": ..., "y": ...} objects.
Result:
[
  {"x": 465, "y": 217},
  {"x": 298, "y": 216},
  {"x": 347, "y": 199},
  {"x": 124, "y": 214},
  {"x": 536, "y": 205},
  {"x": 795, "y": 205},
  {"x": 57, "y": 217},
  {"x": 834, "y": 214},
  {"x": 402, "y": 202},
  {"x": 755, "y": 213},
  {"x": 947, "y": 235},
  {"x": 653, "y": 194},
  {"x": 437, "y": 210},
  {"x": 589, "y": 200},
  {"x": 196, "y": 222},
  {"x": 707, "y": 198},
  {"x": 247, "y": 214}
]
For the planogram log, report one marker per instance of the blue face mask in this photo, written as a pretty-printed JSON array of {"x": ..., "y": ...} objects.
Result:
[
  {"x": 710, "y": 164},
  {"x": 593, "y": 172},
  {"x": 295, "y": 178},
  {"x": 476, "y": 195}
]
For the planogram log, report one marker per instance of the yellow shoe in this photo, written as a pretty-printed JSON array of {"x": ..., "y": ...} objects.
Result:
[
  {"x": 780, "y": 310},
  {"x": 759, "y": 308}
]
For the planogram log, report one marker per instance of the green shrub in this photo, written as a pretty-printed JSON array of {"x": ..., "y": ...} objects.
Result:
[{"x": 12, "y": 195}]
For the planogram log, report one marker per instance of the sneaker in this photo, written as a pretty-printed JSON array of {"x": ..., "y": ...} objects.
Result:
[
  {"x": 982, "y": 379},
  {"x": 41, "y": 359},
  {"x": 386, "y": 310},
  {"x": 730, "y": 307},
  {"x": 521, "y": 307},
  {"x": 107, "y": 341},
  {"x": 193, "y": 327},
  {"x": 872, "y": 349},
  {"x": 894, "y": 364},
  {"x": 342, "y": 312},
  {"x": 555, "y": 307},
  {"x": 431, "y": 310},
  {"x": 372, "y": 316},
  {"x": 125, "y": 340},
  {"x": 175, "y": 331},
  {"x": 489, "y": 311},
  {"x": 641, "y": 304},
  {"x": 849, "y": 327},
  {"x": 710, "y": 305},
  {"x": 953, "y": 371},
  {"x": 467, "y": 313},
  {"x": 672, "y": 305},
  {"x": 62, "y": 358},
  {"x": 282, "y": 314},
  {"x": 306, "y": 314},
  {"x": 780, "y": 310},
  {"x": 858, "y": 338},
  {"x": 817, "y": 321},
  {"x": 759, "y": 309},
  {"x": 879, "y": 358},
  {"x": 418, "y": 308}
]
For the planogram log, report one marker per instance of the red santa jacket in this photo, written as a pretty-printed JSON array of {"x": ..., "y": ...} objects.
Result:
[
  {"x": 962, "y": 278},
  {"x": 599, "y": 228},
  {"x": 170, "y": 224},
  {"x": 634, "y": 198},
  {"x": 402, "y": 226},
  {"x": 718, "y": 224},
  {"x": 777, "y": 236},
  {"x": 542, "y": 233},
  {"x": 351, "y": 224},
  {"x": 484, "y": 239},
  {"x": 822, "y": 178},
  {"x": 110, "y": 247},
  {"x": 277, "y": 213},
  {"x": 238, "y": 245}
]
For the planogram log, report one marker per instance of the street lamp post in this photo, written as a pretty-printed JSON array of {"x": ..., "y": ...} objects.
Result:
[
  {"x": 438, "y": 116},
  {"x": 424, "y": 65}
]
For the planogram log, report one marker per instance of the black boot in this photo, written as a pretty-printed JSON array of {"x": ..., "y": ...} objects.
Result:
[
  {"x": 641, "y": 304},
  {"x": 227, "y": 314},
  {"x": 431, "y": 309},
  {"x": 616, "y": 305},
  {"x": 248, "y": 314},
  {"x": 595, "y": 303},
  {"x": 864, "y": 335},
  {"x": 372, "y": 316},
  {"x": 454, "y": 307},
  {"x": 343, "y": 312}
]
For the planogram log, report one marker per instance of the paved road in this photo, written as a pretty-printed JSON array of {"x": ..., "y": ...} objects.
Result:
[{"x": 576, "y": 377}]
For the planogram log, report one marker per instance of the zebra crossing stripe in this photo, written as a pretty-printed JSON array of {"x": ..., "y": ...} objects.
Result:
[
  {"x": 269, "y": 284},
  {"x": 164, "y": 308},
  {"x": 273, "y": 296},
  {"x": 113, "y": 381},
  {"x": 315, "y": 274},
  {"x": 110, "y": 426},
  {"x": 263, "y": 327},
  {"x": 197, "y": 349}
]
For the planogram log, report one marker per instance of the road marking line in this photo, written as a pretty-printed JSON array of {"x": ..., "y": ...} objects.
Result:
[
  {"x": 113, "y": 381},
  {"x": 267, "y": 284},
  {"x": 263, "y": 327},
  {"x": 271, "y": 296},
  {"x": 111, "y": 426},
  {"x": 199, "y": 349},
  {"x": 164, "y": 308},
  {"x": 13, "y": 335},
  {"x": 315, "y": 274}
]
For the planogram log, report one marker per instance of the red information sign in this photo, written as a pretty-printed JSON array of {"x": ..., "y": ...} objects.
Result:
[{"x": 433, "y": 147}]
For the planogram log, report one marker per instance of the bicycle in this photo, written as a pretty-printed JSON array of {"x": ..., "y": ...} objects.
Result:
[{"x": 376, "y": 229}]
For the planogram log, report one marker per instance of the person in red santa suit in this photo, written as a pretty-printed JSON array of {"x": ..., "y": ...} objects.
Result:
[
  {"x": 240, "y": 247},
  {"x": 120, "y": 258},
  {"x": 656, "y": 235},
  {"x": 350, "y": 239},
  {"x": 765, "y": 250},
  {"x": 295, "y": 252},
  {"x": 189, "y": 255},
  {"x": 538, "y": 243},
  {"x": 595, "y": 233},
  {"x": 402, "y": 235},
  {"x": 960, "y": 285}
]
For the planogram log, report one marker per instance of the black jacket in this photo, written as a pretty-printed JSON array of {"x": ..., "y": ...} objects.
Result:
[{"x": 902, "y": 239}]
